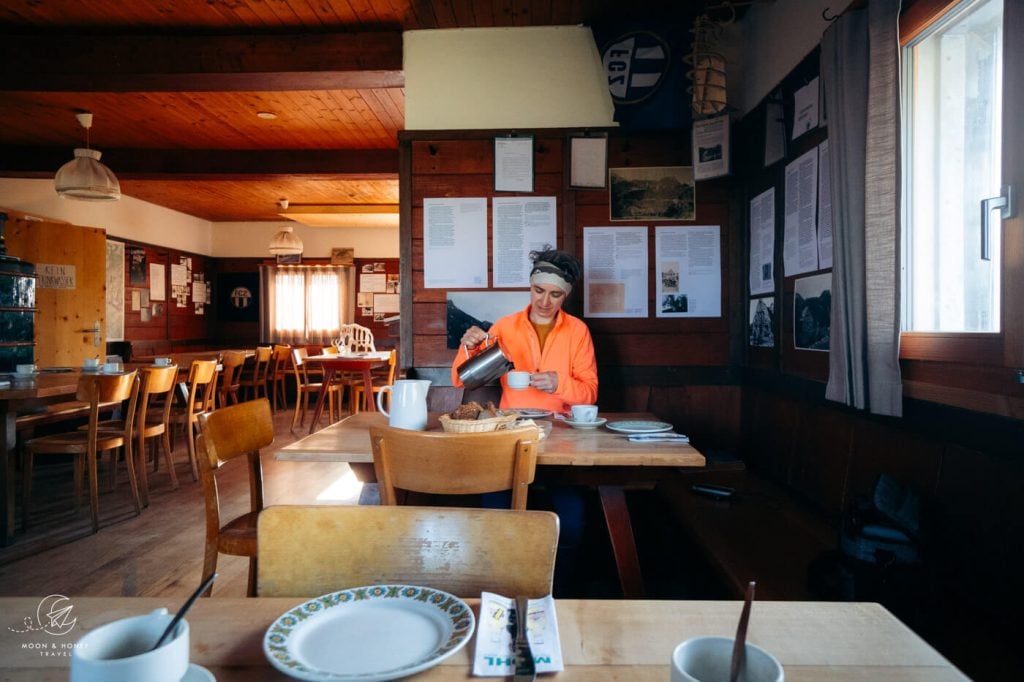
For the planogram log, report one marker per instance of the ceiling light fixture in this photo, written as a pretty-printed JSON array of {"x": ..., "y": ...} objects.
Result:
[
  {"x": 284, "y": 243},
  {"x": 84, "y": 177}
]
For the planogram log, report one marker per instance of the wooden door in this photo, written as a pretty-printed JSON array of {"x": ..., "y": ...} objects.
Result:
[{"x": 70, "y": 290}]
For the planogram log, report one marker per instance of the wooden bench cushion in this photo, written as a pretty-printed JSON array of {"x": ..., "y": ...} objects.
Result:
[{"x": 761, "y": 533}]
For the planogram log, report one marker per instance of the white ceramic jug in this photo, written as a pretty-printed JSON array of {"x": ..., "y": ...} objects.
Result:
[{"x": 408, "y": 404}]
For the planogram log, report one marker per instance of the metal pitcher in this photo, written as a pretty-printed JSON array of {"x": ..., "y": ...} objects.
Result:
[{"x": 484, "y": 367}]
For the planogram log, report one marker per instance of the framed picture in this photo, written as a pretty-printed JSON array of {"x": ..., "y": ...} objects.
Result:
[
  {"x": 588, "y": 163},
  {"x": 343, "y": 255},
  {"x": 654, "y": 193},
  {"x": 289, "y": 258}
]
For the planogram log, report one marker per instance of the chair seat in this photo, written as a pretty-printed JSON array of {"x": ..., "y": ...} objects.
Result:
[
  {"x": 74, "y": 442},
  {"x": 238, "y": 537}
]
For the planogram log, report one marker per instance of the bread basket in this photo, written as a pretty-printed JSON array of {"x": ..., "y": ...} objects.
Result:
[{"x": 498, "y": 423}]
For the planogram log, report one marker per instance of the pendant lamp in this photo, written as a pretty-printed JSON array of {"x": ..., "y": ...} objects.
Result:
[
  {"x": 84, "y": 177},
  {"x": 284, "y": 243}
]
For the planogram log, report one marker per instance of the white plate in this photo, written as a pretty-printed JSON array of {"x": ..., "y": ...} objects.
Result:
[
  {"x": 532, "y": 413},
  {"x": 585, "y": 425},
  {"x": 379, "y": 632},
  {"x": 639, "y": 426}
]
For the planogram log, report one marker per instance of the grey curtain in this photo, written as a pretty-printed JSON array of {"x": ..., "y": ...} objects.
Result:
[
  {"x": 860, "y": 76},
  {"x": 269, "y": 331}
]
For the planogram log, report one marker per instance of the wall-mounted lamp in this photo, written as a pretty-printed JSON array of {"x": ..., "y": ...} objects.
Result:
[{"x": 84, "y": 177}]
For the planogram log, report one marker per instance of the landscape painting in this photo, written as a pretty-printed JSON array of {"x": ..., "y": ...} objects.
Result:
[{"x": 654, "y": 193}]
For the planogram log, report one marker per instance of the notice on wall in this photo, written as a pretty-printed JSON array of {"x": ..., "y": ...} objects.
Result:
[
  {"x": 55, "y": 276},
  {"x": 711, "y": 147},
  {"x": 762, "y": 243},
  {"x": 455, "y": 243},
  {"x": 386, "y": 303},
  {"x": 521, "y": 225},
  {"x": 689, "y": 271},
  {"x": 115, "y": 290},
  {"x": 373, "y": 283},
  {"x": 805, "y": 109},
  {"x": 513, "y": 164},
  {"x": 824, "y": 208},
  {"x": 615, "y": 271},
  {"x": 800, "y": 240},
  {"x": 156, "y": 281}
]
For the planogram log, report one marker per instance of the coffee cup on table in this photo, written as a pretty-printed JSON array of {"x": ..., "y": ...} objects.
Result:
[
  {"x": 518, "y": 380},
  {"x": 584, "y": 413},
  {"x": 25, "y": 369},
  {"x": 705, "y": 659},
  {"x": 91, "y": 363},
  {"x": 162, "y": 362},
  {"x": 122, "y": 651},
  {"x": 113, "y": 367}
]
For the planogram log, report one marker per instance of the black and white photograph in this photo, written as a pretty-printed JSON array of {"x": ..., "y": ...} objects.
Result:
[
  {"x": 675, "y": 303},
  {"x": 654, "y": 193},
  {"x": 812, "y": 312},
  {"x": 480, "y": 308},
  {"x": 669, "y": 276},
  {"x": 762, "y": 322}
]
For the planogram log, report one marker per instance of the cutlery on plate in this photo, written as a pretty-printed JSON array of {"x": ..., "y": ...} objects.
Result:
[
  {"x": 526, "y": 670},
  {"x": 739, "y": 645}
]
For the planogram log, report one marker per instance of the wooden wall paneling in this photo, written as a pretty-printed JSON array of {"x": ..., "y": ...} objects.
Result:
[
  {"x": 427, "y": 187},
  {"x": 887, "y": 446},
  {"x": 769, "y": 429},
  {"x": 667, "y": 348},
  {"x": 709, "y": 415},
  {"x": 634, "y": 398},
  {"x": 407, "y": 224},
  {"x": 821, "y": 457}
]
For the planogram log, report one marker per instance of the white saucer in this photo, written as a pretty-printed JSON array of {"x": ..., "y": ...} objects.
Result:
[
  {"x": 585, "y": 425},
  {"x": 197, "y": 673}
]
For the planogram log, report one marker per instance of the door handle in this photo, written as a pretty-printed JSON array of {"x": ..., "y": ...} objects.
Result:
[{"x": 1004, "y": 202}]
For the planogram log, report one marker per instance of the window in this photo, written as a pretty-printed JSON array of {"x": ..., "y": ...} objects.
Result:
[
  {"x": 953, "y": 90},
  {"x": 306, "y": 304}
]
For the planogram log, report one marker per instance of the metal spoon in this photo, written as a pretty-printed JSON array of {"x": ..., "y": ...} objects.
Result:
[
  {"x": 739, "y": 645},
  {"x": 183, "y": 610}
]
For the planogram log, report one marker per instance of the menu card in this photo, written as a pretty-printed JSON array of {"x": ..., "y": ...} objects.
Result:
[{"x": 496, "y": 635}]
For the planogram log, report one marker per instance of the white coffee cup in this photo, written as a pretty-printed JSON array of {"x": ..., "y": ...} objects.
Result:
[
  {"x": 25, "y": 369},
  {"x": 162, "y": 362},
  {"x": 122, "y": 651},
  {"x": 91, "y": 363},
  {"x": 709, "y": 659},
  {"x": 584, "y": 413},
  {"x": 112, "y": 367},
  {"x": 518, "y": 380}
]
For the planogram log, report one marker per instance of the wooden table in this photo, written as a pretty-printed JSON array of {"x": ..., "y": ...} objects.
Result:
[
  {"x": 596, "y": 457},
  {"x": 332, "y": 364},
  {"x": 21, "y": 392},
  {"x": 601, "y": 639}
]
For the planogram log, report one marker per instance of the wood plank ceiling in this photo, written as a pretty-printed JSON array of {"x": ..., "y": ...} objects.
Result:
[{"x": 175, "y": 87}]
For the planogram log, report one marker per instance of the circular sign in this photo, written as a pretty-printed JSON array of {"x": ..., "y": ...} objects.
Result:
[
  {"x": 636, "y": 64},
  {"x": 241, "y": 297}
]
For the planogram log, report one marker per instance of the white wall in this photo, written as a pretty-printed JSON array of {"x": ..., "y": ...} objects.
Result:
[
  {"x": 128, "y": 218},
  {"x": 249, "y": 240},
  {"x": 768, "y": 42},
  {"x": 519, "y": 77}
]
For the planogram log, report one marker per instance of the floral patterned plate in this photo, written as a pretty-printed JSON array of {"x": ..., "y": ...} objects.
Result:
[{"x": 378, "y": 632}]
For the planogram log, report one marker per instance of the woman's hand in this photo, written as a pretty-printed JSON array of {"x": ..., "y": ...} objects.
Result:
[
  {"x": 544, "y": 381},
  {"x": 473, "y": 337}
]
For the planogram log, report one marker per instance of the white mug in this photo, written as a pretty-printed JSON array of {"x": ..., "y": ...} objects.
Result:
[
  {"x": 584, "y": 413},
  {"x": 122, "y": 651},
  {"x": 709, "y": 659},
  {"x": 162, "y": 362},
  {"x": 91, "y": 362},
  {"x": 518, "y": 380},
  {"x": 24, "y": 369},
  {"x": 112, "y": 367}
]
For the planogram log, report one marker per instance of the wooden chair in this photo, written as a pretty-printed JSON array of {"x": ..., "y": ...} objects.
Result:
[
  {"x": 255, "y": 380},
  {"x": 152, "y": 419},
  {"x": 356, "y": 338},
  {"x": 234, "y": 432},
  {"x": 454, "y": 463},
  {"x": 199, "y": 397},
  {"x": 93, "y": 389},
  {"x": 231, "y": 362},
  {"x": 356, "y": 387},
  {"x": 277, "y": 376},
  {"x": 306, "y": 551},
  {"x": 307, "y": 388}
]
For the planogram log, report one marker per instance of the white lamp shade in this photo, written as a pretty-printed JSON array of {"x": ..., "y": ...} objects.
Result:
[
  {"x": 85, "y": 178},
  {"x": 285, "y": 243}
]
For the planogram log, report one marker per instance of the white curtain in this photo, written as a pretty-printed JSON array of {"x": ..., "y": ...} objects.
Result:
[
  {"x": 860, "y": 75},
  {"x": 303, "y": 304}
]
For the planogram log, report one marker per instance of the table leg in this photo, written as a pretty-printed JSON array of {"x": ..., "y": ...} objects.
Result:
[
  {"x": 325, "y": 387},
  {"x": 368, "y": 402},
  {"x": 620, "y": 530},
  {"x": 8, "y": 432}
]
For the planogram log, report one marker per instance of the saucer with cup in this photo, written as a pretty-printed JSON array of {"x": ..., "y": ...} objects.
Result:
[
  {"x": 584, "y": 417},
  {"x": 706, "y": 659},
  {"x": 518, "y": 380},
  {"x": 162, "y": 362},
  {"x": 122, "y": 651},
  {"x": 113, "y": 368},
  {"x": 25, "y": 370},
  {"x": 91, "y": 365}
]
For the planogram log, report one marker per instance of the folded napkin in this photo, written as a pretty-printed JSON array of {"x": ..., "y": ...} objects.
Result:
[
  {"x": 666, "y": 437},
  {"x": 496, "y": 635}
]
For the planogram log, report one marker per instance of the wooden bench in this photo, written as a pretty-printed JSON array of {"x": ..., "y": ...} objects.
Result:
[
  {"x": 761, "y": 533},
  {"x": 52, "y": 413}
]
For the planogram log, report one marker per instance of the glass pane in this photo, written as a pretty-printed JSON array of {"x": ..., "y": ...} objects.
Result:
[{"x": 953, "y": 79}]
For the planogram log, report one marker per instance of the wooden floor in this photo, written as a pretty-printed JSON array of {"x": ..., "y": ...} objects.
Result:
[{"x": 160, "y": 552}]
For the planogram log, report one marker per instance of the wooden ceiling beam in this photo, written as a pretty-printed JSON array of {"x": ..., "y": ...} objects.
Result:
[
  {"x": 201, "y": 63},
  {"x": 155, "y": 164}
]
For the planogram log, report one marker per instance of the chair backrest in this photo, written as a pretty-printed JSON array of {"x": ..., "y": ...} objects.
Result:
[
  {"x": 279, "y": 361},
  {"x": 156, "y": 382},
  {"x": 299, "y": 366},
  {"x": 262, "y": 362},
  {"x": 454, "y": 463},
  {"x": 392, "y": 361},
  {"x": 202, "y": 380},
  {"x": 109, "y": 388},
  {"x": 306, "y": 551},
  {"x": 356, "y": 338},
  {"x": 231, "y": 362}
]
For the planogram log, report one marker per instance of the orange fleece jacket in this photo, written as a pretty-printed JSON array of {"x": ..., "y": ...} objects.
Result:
[{"x": 568, "y": 350}]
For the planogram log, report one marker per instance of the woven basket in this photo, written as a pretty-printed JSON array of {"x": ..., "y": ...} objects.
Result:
[{"x": 498, "y": 423}]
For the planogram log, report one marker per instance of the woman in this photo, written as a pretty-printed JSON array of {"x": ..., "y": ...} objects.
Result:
[{"x": 544, "y": 340}]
